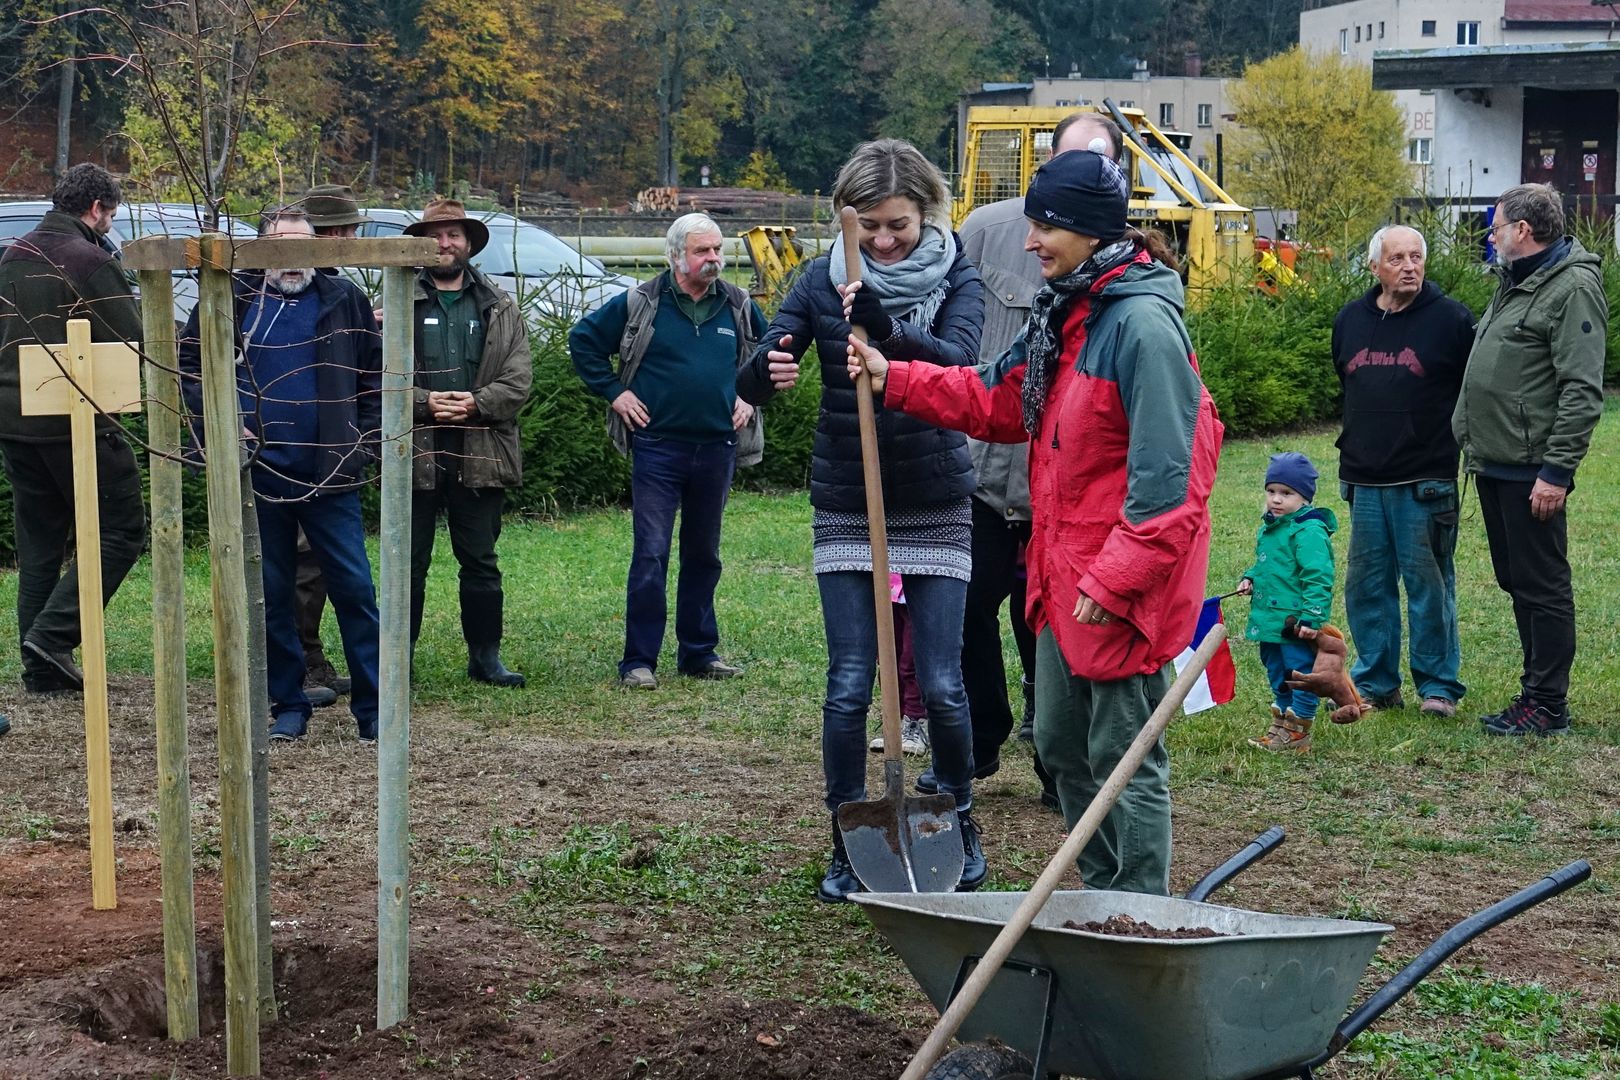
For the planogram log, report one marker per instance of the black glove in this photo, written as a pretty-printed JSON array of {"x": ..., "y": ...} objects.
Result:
[{"x": 868, "y": 314}]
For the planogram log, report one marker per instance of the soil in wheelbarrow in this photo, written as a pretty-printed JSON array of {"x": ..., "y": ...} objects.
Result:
[{"x": 1125, "y": 926}]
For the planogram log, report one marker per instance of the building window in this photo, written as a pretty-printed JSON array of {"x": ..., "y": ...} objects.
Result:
[
  {"x": 1203, "y": 163},
  {"x": 1369, "y": 31},
  {"x": 1167, "y": 114},
  {"x": 1084, "y": 102},
  {"x": 1418, "y": 151},
  {"x": 1062, "y": 103},
  {"x": 1358, "y": 33},
  {"x": 1344, "y": 41},
  {"x": 1468, "y": 33},
  {"x": 1128, "y": 103},
  {"x": 1380, "y": 30},
  {"x": 1428, "y": 28},
  {"x": 1204, "y": 115}
]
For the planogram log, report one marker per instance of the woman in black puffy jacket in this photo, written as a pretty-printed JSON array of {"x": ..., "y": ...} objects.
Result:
[{"x": 921, "y": 299}]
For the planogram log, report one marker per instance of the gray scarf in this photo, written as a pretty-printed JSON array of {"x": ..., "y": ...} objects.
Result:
[
  {"x": 913, "y": 288},
  {"x": 1044, "y": 333}
]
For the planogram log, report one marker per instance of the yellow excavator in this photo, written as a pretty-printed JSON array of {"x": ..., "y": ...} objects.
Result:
[
  {"x": 1214, "y": 235},
  {"x": 1005, "y": 144}
]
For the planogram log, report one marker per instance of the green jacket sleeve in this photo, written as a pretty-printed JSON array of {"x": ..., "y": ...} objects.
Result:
[
  {"x": 1578, "y": 339},
  {"x": 1313, "y": 555},
  {"x": 508, "y": 388}
]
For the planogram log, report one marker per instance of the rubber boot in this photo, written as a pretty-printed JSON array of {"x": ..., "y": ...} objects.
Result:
[
  {"x": 840, "y": 879},
  {"x": 481, "y": 619},
  {"x": 418, "y": 606}
]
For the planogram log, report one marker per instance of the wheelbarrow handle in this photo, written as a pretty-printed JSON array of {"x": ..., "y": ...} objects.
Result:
[
  {"x": 1146, "y": 739},
  {"x": 1559, "y": 881},
  {"x": 1257, "y": 849}
]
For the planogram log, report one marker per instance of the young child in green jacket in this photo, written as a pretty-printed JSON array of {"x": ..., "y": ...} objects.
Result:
[{"x": 1292, "y": 578}]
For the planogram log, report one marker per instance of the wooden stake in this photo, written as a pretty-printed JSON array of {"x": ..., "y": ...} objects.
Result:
[
  {"x": 169, "y": 657},
  {"x": 222, "y": 426},
  {"x": 394, "y": 721},
  {"x": 92, "y": 627},
  {"x": 258, "y": 698}
]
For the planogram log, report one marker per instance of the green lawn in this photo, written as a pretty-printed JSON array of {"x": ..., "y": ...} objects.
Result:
[{"x": 1396, "y": 815}]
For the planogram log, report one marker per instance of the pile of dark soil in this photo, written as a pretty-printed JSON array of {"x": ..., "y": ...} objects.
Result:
[{"x": 1125, "y": 926}]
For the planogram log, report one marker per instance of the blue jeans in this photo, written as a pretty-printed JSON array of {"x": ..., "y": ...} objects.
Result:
[
  {"x": 936, "y": 605},
  {"x": 1398, "y": 538},
  {"x": 337, "y": 537},
  {"x": 1280, "y": 657},
  {"x": 667, "y": 475}
]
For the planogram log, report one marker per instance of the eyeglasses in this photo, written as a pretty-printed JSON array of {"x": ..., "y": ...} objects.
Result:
[{"x": 1504, "y": 224}]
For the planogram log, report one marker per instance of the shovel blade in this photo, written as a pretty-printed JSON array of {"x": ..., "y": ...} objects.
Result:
[{"x": 904, "y": 843}]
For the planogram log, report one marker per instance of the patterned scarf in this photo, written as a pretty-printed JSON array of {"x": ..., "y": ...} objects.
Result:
[{"x": 1043, "y": 334}]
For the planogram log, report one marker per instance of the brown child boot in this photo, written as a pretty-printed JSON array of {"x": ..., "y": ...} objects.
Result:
[
  {"x": 1290, "y": 734},
  {"x": 1272, "y": 733}
]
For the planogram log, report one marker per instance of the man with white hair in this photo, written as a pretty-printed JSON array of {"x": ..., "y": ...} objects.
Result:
[
  {"x": 309, "y": 384},
  {"x": 674, "y": 410},
  {"x": 1399, "y": 352}
]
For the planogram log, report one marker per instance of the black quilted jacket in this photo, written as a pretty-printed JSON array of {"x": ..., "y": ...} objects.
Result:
[{"x": 921, "y": 463}]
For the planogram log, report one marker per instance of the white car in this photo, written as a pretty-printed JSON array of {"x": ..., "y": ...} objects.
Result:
[{"x": 546, "y": 275}]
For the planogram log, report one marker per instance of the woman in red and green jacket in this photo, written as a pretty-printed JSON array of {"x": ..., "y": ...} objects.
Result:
[{"x": 1124, "y": 442}]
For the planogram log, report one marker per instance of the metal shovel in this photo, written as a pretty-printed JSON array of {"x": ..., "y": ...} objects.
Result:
[{"x": 901, "y": 842}]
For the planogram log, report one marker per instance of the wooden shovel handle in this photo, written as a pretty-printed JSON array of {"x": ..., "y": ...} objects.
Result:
[
  {"x": 1042, "y": 890},
  {"x": 888, "y": 660}
]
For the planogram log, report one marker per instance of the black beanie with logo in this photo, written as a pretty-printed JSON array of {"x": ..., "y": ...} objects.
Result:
[{"x": 1080, "y": 191}]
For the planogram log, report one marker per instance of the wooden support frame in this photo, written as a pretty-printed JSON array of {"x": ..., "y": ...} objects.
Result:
[{"x": 246, "y": 956}]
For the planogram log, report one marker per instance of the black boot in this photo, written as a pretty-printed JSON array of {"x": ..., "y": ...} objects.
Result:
[
  {"x": 1026, "y": 730},
  {"x": 840, "y": 879},
  {"x": 974, "y": 868},
  {"x": 481, "y": 618}
]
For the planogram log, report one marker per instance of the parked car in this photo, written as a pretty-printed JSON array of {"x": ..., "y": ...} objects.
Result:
[{"x": 545, "y": 274}]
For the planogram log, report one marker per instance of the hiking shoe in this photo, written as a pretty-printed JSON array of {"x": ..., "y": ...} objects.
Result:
[
  {"x": 322, "y": 673},
  {"x": 974, "y": 868},
  {"x": 913, "y": 735},
  {"x": 638, "y": 678},
  {"x": 1435, "y": 705},
  {"x": 5, "y": 723},
  {"x": 927, "y": 785},
  {"x": 1526, "y": 716},
  {"x": 1391, "y": 700},
  {"x": 366, "y": 732},
  {"x": 1026, "y": 730},
  {"x": 714, "y": 669},
  {"x": 320, "y": 696},
  {"x": 59, "y": 662},
  {"x": 1288, "y": 734},
  {"x": 1050, "y": 800},
  {"x": 289, "y": 726}
]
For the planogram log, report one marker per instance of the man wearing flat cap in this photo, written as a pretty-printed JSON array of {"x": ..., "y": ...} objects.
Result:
[
  {"x": 333, "y": 211},
  {"x": 473, "y": 372}
]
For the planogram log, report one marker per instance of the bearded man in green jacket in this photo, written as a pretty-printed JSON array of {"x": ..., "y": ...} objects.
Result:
[{"x": 1531, "y": 395}]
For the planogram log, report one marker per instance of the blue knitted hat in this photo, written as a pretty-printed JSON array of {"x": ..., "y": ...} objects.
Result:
[{"x": 1295, "y": 470}]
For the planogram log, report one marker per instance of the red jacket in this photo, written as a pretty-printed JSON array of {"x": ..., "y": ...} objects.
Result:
[{"x": 1120, "y": 474}]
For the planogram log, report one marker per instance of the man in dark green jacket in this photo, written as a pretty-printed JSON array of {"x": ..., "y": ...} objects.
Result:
[
  {"x": 1531, "y": 395},
  {"x": 56, "y": 273}
]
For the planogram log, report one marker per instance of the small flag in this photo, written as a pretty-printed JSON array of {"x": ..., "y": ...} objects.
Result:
[{"x": 1218, "y": 683}]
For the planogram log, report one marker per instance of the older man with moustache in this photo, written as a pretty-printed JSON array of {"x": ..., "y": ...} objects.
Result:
[
  {"x": 680, "y": 339},
  {"x": 310, "y": 385},
  {"x": 1399, "y": 352}
]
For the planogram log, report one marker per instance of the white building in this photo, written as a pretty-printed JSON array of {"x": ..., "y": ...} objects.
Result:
[{"x": 1497, "y": 92}]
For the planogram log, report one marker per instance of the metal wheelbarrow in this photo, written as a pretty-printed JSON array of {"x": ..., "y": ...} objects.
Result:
[{"x": 1263, "y": 1003}]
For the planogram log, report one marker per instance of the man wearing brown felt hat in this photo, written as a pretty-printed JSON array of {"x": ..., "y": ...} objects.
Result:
[{"x": 473, "y": 372}]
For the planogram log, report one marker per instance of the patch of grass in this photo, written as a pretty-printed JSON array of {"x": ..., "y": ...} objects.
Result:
[{"x": 1493, "y": 1030}]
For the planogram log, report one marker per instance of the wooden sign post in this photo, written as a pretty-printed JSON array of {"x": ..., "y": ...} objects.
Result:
[
  {"x": 75, "y": 378},
  {"x": 215, "y": 257}
]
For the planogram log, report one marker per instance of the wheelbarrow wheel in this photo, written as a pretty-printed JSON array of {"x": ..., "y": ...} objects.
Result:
[{"x": 982, "y": 1061}]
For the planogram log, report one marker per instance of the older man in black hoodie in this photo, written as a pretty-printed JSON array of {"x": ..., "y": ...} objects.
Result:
[{"x": 1399, "y": 352}]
